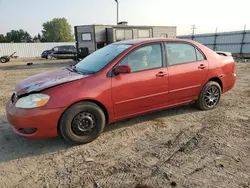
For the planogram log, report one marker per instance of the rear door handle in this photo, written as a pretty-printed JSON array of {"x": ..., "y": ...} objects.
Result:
[
  {"x": 161, "y": 74},
  {"x": 202, "y": 66}
]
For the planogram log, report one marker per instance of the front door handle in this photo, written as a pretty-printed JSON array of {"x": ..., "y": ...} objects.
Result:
[
  {"x": 161, "y": 74},
  {"x": 202, "y": 66}
]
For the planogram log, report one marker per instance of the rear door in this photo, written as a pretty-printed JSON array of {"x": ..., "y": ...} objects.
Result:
[
  {"x": 187, "y": 68},
  {"x": 146, "y": 87}
]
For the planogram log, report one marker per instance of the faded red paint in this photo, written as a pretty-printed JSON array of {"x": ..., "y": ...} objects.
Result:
[{"x": 122, "y": 97}]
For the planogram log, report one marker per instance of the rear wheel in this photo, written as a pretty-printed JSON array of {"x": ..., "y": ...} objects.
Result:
[
  {"x": 210, "y": 96},
  {"x": 82, "y": 123}
]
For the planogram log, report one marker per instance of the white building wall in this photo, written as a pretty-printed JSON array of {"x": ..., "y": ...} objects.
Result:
[{"x": 25, "y": 50}]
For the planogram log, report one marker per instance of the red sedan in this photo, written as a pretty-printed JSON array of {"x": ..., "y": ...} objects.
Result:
[{"x": 119, "y": 81}]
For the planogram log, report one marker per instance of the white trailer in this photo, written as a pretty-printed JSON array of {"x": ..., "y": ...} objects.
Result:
[{"x": 90, "y": 38}]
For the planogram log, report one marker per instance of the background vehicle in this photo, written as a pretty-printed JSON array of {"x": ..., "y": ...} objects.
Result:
[
  {"x": 5, "y": 59},
  {"x": 119, "y": 81},
  {"x": 60, "y": 52},
  {"x": 90, "y": 38}
]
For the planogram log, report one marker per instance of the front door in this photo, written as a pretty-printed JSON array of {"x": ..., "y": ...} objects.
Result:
[
  {"x": 187, "y": 68},
  {"x": 146, "y": 87}
]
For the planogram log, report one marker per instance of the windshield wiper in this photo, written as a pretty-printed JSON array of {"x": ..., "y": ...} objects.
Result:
[
  {"x": 84, "y": 72},
  {"x": 73, "y": 69}
]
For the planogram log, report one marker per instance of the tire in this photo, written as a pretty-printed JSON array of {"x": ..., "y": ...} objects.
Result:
[
  {"x": 3, "y": 60},
  {"x": 73, "y": 123},
  {"x": 207, "y": 101}
]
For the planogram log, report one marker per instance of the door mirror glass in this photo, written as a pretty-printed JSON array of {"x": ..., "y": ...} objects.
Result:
[{"x": 122, "y": 69}]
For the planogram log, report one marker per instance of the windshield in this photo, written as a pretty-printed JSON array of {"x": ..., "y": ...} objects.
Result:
[{"x": 100, "y": 58}]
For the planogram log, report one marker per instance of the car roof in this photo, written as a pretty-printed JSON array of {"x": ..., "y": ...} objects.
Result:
[{"x": 150, "y": 40}]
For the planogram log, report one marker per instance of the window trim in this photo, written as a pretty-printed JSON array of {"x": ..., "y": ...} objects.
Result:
[
  {"x": 111, "y": 71},
  {"x": 86, "y": 33},
  {"x": 195, "y": 47}
]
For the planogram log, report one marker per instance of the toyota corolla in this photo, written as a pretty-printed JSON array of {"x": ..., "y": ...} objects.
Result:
[{"x": 119, "y": 81}]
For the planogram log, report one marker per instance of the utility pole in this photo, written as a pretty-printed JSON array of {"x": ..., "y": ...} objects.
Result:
[
  {"x": 215, "y": 39},
  {"x": 117, "y": 2},
  {"x": 193, "y": 27},
  {"x": 243, "y": 40}
]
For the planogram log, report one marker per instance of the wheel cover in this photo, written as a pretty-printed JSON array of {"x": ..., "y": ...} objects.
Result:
[
  {"x": 212, "y": 96},
  {"x": 83, "y": 124}
]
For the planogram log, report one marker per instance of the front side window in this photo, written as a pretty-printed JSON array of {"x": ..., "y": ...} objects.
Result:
[
  {"x": 179, "y": 53},
  {"x": 86, "y": 37},
  {"x": 63, "y": 48},
  {"x": 99, "y": 59},
  {"x": 55, "y": 49},
  {"x": 144, "y": 58}
]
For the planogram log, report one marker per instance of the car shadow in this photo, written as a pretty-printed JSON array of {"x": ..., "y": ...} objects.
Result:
[
  {"x": 14, "y": 147},
  {"x": 153, "y": 116},
  {"x": 37, "y": 65}
]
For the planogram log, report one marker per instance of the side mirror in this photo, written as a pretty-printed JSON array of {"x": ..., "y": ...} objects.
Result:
[{"x": 122, "y": 69}]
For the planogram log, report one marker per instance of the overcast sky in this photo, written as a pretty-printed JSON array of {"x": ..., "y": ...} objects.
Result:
[{"x": 207, "y": 15}]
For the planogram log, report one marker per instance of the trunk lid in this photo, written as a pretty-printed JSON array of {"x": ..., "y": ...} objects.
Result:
[{"x": 228, "y": 62}]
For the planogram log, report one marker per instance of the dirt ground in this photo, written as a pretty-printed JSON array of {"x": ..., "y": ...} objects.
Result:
[{"x": 180, "y": 147}]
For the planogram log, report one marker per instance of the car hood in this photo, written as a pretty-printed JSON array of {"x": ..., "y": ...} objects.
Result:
[
  {"x": 46, "y": 80},
  {"x": 46, "y": 51}
]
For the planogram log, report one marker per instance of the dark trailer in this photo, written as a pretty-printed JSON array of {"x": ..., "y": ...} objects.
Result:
[{"x": 90, "y": 38}]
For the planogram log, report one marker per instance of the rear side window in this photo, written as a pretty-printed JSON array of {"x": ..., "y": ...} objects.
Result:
[{"x": 179, "y": 53}]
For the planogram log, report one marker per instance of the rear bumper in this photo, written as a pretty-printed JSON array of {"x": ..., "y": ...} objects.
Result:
[
  {"x": 228, "y": 82},
  {"x": 44, "y": 121}
]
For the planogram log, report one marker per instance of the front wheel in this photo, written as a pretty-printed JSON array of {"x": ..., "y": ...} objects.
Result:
[
  {"x": 82, "y": 123},
  {"x": 210, "y": 96}
]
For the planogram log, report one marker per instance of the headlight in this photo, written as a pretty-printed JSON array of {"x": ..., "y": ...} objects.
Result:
[{"x": 32, "y": 101}]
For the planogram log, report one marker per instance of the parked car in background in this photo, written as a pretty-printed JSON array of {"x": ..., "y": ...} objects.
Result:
[
  {"x": 119, "y": 81},
  {"x": 60, "y": 52}
]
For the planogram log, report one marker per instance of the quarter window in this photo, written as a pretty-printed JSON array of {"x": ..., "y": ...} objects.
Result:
[
  {"x": 179, "y": 53},
  {"x": 200, "y": 57},
  {"x": 144, "y": 58}
]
